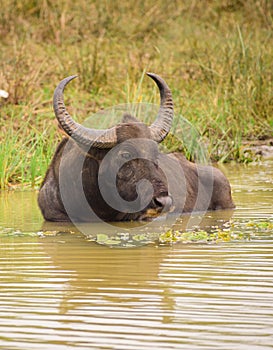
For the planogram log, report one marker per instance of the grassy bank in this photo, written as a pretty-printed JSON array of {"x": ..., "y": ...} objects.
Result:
[{"x": 215, "y": 55}]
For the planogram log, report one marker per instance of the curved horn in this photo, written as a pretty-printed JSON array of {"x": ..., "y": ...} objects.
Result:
[
  {"x": 162, "y": 125},
  {"x": 79, "y": 133}
]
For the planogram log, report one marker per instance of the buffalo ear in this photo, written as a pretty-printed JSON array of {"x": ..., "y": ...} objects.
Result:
[{"x": 128, "y": 118}]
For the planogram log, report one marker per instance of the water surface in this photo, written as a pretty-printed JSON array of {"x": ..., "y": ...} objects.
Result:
[{"x": 62, "y": 290}]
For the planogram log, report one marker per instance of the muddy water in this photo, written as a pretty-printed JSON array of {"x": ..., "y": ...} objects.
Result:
[{"x": 68, "y": 291}]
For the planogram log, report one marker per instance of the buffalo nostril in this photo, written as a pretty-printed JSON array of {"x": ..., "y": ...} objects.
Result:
[{"x": 165, "y": 202}]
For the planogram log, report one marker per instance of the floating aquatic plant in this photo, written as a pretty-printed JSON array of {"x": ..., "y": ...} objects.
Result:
[
  {"x": 233, "y": 231},
  {"x": 237, "y": 231}
]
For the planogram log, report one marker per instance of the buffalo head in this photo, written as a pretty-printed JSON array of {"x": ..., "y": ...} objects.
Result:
[{"x": 116, "y": 170}]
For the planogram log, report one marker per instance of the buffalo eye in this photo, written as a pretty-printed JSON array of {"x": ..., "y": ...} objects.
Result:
[{"x": 126, "y": 155}]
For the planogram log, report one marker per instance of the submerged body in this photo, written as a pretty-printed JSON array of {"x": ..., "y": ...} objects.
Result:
[{"x": 119, "y": 174}]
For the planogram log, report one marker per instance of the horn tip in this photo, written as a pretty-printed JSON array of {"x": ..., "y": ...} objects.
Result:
[
  {"x": 64, "y": 82},
  {"x": 71, "y": 77},
  {"x": 156, "y": 78},
  {"x": 68, "y": 79}
]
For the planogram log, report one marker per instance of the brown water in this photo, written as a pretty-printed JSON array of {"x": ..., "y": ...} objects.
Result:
[{"x": 63, "y": 291}]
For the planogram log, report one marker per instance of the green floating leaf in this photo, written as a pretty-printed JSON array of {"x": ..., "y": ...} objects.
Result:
[
  {"x": 101, "y": 238},
  {"x": 140, "y": 237},
  {"x": 173, "y": 236}
]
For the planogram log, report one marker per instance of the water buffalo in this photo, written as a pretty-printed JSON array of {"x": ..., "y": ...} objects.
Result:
[{"x": 118, "y": 174}]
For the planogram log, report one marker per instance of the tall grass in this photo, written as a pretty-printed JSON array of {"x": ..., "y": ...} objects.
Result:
[
  {"x": 24, "y": 155},
  {"x": 215, "y": 55}
]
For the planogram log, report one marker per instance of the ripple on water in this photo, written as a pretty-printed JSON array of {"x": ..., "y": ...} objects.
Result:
[{"x": 63, "y": 291}]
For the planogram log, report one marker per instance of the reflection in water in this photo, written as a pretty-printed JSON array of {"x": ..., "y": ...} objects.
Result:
[
  {"x": 62, "y": 291},
  {"x": 66, "y": 292}
]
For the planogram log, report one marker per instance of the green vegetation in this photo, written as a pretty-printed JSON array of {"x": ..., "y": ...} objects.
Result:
[
  {"x": 234, "y": 231},
  {"x": 216, "y": 56}
]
